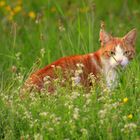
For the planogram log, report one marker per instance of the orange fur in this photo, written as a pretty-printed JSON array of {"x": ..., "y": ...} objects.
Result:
[
  {"x": 92, "y": 62},
  {"x": 66, "y": 64}
]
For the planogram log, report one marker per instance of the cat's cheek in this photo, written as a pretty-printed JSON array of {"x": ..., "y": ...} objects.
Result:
[{"x": 113, "y": 63}]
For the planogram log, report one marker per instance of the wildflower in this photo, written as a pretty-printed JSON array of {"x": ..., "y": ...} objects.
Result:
[
  {"x": 10, "y": 18},
  {"x": 12, "y": 13},
  {"x": 42, "y": 37},
  {"x": 43, "y": 114},
  {"x": 129, "y": 127},
  {"x": 84, "y": 10},
  {"x": 2, "y": 3},
  {"x": 46, "y": 78},
  {"x": 75, "y": 95},
  {"x": 84, "y": 131},
  {"x": 124, "y": 118},
  {"x": 88, "y": 101},
  {"x": 80, "y": 65},
  {"x": 39, "y": 17},
  {"x": 50, "y": 129},
  {"x": 125, "y": 100},
  {"x": 14, "y": 69},
  {"x": 18, "y": 55},
  {"x": 56, "y": 120},
  {"x": 17, "y": 9},
  {"x": 102, "y": 113},
  {"x": 19, "y": 2},
  {"x": 53, "y": 9},
  {"x": 38, "y": 136},
  {"x": 61, "y": 26},
  {"x": 87, "y": 95},
  {"x": 42, "y": 52},
  {"x": 32, "y": 15},
  {"x": 76, "y": 113},
  {"x": 70, "y": 106},
  {"x": 8, "y": 8},
  {"x": 130, "y": 116},
  {"x": 66, "y": 139},
  {"x": 115, "y": 105}
]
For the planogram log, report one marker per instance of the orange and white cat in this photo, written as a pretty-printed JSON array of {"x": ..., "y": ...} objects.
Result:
[{"x": 114, "y": 52}]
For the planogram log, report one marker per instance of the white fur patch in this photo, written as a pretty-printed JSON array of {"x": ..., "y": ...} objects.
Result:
[
  {"x": 110, "y": 74},
  {"x": 119, "y": 58},
  {"x": 109, "y": 66},
  {"x": 94, "y": 62}
]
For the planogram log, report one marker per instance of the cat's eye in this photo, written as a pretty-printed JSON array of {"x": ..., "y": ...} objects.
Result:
[
  {"x": 112, "y": 53},
  {"x": 126, "y": 53}
]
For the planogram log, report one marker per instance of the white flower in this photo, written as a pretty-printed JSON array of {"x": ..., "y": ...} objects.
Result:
[
  {"x": 115, "y": 105},
  {"x": 102, "y": 113},
  {"x": 129, "y": 127},
  {"x": 46, "y": 78},
  {"x": 38, "y": 137},
  {"x": 76, "y": 80},
  {"x": 88, "y": 101},
  {"x": 76, "y": 113},
  {"x": 44, "y": 114},
  {"x": 87, "y": 96},
  {"x": 78, "y": 72},
  {"x": 75, "y": 95},
  {"x": 42, "y": 52},
  {"x": 84, "y": 131},
  {"x": 80, "y": 65},
  {"x": 50, "y": 129}
]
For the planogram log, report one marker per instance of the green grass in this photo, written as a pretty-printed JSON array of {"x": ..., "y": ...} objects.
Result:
[{"x": 69, "y": 113}]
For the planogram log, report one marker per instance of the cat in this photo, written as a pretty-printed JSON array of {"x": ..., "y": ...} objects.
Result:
[{"x": 114, "y": 52}]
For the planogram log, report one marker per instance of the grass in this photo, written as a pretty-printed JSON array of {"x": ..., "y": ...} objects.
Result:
[{"x": 63, "y": 28}]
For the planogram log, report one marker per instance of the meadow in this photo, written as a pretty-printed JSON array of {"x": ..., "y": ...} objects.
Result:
[{"x": 36, "y": 33}]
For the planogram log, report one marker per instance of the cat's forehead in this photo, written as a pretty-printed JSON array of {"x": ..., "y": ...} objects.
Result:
[
  {"x": 117, "y": 41},
  {"x": 115, "y": 44},
  {"x": 118, "y": 44},
  {"x": 119, "y": 49}
]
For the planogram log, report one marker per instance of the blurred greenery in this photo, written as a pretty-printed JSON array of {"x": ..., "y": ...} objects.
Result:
[
  {"x": 79, "y": 18},
  {"x": 36, "y": 33}
]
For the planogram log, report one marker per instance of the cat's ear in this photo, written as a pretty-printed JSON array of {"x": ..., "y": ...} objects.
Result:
[
  {"x": 104, "y": 37},
  {"x": 130, "y": 37}
]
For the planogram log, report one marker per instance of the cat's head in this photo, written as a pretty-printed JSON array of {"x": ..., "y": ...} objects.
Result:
[{"x": 117, "y": 51}]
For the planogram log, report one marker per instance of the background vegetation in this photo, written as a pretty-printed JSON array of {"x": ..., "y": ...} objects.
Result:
[{"x": 34, "y": 34}]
